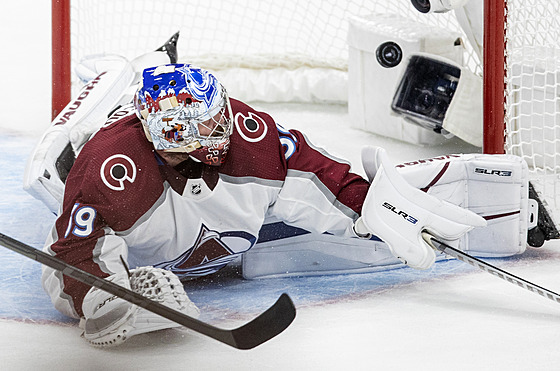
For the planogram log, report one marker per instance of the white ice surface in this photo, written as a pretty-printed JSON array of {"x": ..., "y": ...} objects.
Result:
[{"x": 449, "y": 318}]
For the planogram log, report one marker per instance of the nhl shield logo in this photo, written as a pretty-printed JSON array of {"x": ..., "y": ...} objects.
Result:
[{"x": 196, "y": 189}]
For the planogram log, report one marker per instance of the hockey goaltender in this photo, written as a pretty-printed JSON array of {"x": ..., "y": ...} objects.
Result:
[{"x": 178, "y": 183}]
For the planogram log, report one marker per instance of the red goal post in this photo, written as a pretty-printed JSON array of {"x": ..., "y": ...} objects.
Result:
[
  {"x": 61, "y": 58},
  {"x": 494, "y": 78}
]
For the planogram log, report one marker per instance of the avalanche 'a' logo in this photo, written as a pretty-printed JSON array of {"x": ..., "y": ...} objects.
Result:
[
  {"x": 211, "y": 251},
  {"x": 117, "y": 169},
  {"x": 252, "y": 128}
]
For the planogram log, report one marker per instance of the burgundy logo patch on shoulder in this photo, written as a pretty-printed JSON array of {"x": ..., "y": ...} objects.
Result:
[
  {"x": 251, "y": 127},
  {"x": 116, "y": 170}
]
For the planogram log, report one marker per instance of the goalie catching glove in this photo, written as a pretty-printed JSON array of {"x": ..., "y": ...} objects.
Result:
[
  {"x": 398, "y": 213},
  {"x": 109, "y": 320}
]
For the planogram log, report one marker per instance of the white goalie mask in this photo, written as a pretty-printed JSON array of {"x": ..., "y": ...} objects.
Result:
[{"x": 185, "y": 109}]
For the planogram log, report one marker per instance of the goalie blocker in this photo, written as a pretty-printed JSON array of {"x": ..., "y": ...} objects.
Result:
[{"x": 493, "y": 188}]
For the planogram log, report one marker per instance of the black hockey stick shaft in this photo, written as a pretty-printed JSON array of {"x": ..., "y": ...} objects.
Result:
[
  {"x": 489, "y": 268},
  {"x": 261, "y": 329}
]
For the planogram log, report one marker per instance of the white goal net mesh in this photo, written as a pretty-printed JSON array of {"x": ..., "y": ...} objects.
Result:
[
  {"x": 292, "y": 34},
  {"x": 238, "y": 33},
  {"x": 533, "y": 90}
]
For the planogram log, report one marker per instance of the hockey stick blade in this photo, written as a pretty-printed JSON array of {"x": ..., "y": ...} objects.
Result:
[
  {"x": 489, "y": 268},
  {"x": 261, "y": 329}
]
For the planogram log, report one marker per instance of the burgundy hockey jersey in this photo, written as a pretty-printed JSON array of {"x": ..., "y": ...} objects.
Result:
[{"x": 123, "y": 201}]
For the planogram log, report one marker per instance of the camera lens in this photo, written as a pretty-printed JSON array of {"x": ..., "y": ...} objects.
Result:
[
  {"x": 389, "y": 54},
  {"x": 423, "y": 6},
  {"x": 424, "y": 102}
]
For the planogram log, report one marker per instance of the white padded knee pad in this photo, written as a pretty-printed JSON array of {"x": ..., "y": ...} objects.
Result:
[{"x": 493, "y": 186}]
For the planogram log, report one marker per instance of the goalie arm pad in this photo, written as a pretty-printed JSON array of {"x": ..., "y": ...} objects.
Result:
[{"x": 398, "y": 213}]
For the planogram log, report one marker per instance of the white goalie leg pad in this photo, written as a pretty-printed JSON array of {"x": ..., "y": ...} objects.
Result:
[
  {"x": 493, "y": 186},
  {"x": 398, "y": 213},
  {"x": 109, "y": 320},
  {"x": 71, "y": 129}
]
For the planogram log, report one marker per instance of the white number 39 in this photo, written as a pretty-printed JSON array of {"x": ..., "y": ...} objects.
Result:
[{"x": 82, "y": 218}]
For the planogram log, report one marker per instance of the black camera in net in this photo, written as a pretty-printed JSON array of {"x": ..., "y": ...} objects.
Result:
[{"x": 426, "y": 90}]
